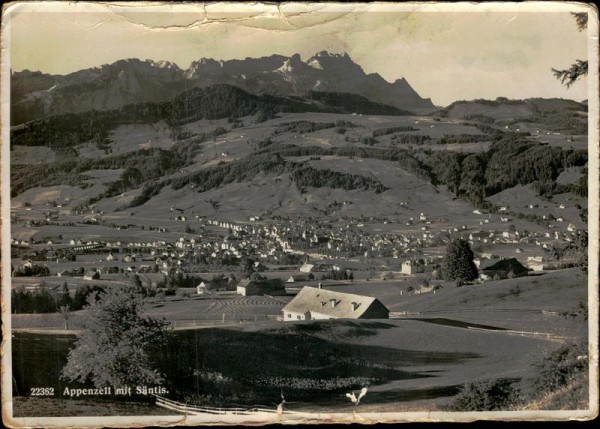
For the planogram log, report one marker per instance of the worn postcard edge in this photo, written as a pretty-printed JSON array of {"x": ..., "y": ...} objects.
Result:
[{"x": 167, "y": 420}]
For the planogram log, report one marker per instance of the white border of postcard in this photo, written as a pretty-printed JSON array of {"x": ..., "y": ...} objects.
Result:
[{"x": 593, "y": 181}]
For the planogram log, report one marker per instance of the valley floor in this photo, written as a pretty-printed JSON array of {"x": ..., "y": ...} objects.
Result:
[{"x": 429, "y": 353}]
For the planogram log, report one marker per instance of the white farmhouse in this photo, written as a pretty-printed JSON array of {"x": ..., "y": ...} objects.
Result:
[{"x": 318, "y": 304}]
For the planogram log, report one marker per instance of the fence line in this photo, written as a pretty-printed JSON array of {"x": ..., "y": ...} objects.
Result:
[
  {"x": 222, "y": 319},
  {"x": 397, "y": 314},
  {"x": 546, "y": 335},
  {"x": 191, "y": 409}
]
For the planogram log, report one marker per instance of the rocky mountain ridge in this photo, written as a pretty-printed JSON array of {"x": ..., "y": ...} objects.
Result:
[{"x": 36, "y": 95}]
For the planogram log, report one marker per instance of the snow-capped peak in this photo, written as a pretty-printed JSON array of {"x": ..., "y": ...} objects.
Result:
[
  {"x": 325, "y": 54},
  {"x": 286, "y": 67},
  {"x": 166, "y": 65},
  {"x": 315, "y": 64}
]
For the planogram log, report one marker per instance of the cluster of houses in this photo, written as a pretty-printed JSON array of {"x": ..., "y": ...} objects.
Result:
[
  {"x": 278, "y": 240},
  {"x": 320, "y": 239},
  {"x": 348, "y": 240}
]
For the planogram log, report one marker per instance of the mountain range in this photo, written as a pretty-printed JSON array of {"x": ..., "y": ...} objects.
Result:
[{"x": 37, "y": 95}]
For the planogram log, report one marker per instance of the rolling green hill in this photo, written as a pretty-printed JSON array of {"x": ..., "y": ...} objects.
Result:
[{"x": 267, "y": 154}]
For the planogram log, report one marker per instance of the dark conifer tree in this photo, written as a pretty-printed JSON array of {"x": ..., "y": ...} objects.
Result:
[{"x": 459, "y": 263}]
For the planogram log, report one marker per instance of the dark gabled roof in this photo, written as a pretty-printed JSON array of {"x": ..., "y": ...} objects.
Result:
[
  {"x": 243, "y": 283},
  {"x": 91, "y": 273},
  {"x": 508, "y": 265}
]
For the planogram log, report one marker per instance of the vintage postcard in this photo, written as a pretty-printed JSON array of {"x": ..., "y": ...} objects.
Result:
[{"x": 246, "y": 213}]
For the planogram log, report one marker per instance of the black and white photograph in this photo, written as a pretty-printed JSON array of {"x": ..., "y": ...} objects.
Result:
[{"x": 248, "y": 213}]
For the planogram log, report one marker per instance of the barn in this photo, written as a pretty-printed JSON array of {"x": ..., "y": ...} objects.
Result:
[
  {"x": 247, "y": 288},
  {"x": 315, "y": 304},
  {"x": 504, "y": 269}
]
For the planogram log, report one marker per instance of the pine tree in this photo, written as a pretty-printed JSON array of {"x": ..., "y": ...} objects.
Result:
[
  {"x": 580, "y": 67},
  {"x": 459, "y": 263}
]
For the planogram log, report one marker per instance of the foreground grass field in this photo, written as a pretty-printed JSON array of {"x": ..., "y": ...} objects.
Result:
[{"x": 405, "y": 363}]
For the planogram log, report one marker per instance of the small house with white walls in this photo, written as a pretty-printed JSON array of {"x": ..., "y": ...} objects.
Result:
[{"x": 410, "y": 268}]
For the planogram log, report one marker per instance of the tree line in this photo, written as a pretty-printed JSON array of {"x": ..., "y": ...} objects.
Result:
[
  {"x": 309, "y": 126},
  {"x": 390, "y": 130},
  {"x": 44, "y": 300},
  {"x": 509, "y": 162},
  {"x": 139, "y": 167},
  {"x": 247, "y": 168}
]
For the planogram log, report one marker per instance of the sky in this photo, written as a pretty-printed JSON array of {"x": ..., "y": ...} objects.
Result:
[{"x": 454, "y": 53}]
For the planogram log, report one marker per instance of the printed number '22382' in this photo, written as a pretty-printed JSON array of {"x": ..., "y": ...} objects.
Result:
[{"x": 42, "y": 391}]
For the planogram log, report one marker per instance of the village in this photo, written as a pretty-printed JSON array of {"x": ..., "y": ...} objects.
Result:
[{"x": 212, "y": 260}]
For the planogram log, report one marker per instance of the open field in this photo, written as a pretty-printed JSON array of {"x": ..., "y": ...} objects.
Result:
[
  {"x": 553, "y": 303},
  {"x": 520, "y": 198},
  {"x": 401, "y": 361}
]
